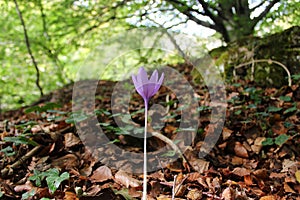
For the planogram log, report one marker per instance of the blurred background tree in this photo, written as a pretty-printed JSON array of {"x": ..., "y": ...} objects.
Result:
[{"x": 61, "y": 33}]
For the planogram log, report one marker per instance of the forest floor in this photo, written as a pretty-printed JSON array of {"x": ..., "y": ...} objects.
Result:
[{"x": 257, "y": 156}]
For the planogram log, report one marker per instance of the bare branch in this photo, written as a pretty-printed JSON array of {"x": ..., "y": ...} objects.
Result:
[
  {"x": 29, "y": 48},
  {"x": 264, "y": 13},
  {"x": 191, "y": 16},
  {"x": 257, "y": 6},
  {"x": 213, "y": 17}
]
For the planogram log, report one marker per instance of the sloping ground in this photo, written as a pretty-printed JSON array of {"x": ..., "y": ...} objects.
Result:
[
  {"x": 256, "y": 157},
  {"x": 263, "y": 58}
]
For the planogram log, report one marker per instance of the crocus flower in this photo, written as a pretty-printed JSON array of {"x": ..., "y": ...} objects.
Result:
[{"x": 147, "y": 89}]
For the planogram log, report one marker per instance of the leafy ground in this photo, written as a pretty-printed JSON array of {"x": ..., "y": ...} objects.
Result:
[{"x": 256, "y": 157}]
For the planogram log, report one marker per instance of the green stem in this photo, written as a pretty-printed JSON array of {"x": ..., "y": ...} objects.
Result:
[{"x": 145, "y": 155}]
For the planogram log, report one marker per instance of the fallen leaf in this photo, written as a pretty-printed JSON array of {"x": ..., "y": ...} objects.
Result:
[
  {"x": 297, "y": 175},
  {"x": 240, "y": 150},
  {"x": 226, "y": 133},
  {"x": 239, "y": 171},
  {"x": 68, "y": 161},
  {"x": 279, "y": 128},
  {"x": 257, "y": 146},
  {"x": 71, "y": 140},
  {"x": 194, "y": 194},
  {"x": 287, "y": 188},
  {"x": 227, "y": 194},
  {"x": 101, "y": 174},
  {"x": 269, "y": 197},
  {"x": 70, "y": 196},
  {"x": 199, "y": 165},
  {"x": 288, "y": 165},
  {"x": 126, "y": 180},
  {"x": 248, "y": 180}
]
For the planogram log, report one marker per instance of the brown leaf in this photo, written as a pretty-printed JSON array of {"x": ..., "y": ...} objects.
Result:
[
  {"x": 25, "y": 187},
  {"x": 194, "y": 194},
  {"x": 248, "y": 180},
  {"x": 287, "y": 188},
  {"x": 126, "y": 180},
  {"x": 68, "y": 161},
  {"x": 240, "y": 150},
  {"x": 70, "y": 196},
  {"x": 101, "y": 174},
  {"x": 226, "y": 133},
  {"x": 199, "y": 165},
  {"x": 279, "y": 128},
  {"x": 261, "y": 174},
  {"x": 269, "y": 197},
  {"x": 227, "y": 194},
  {"x": 71, "y": 140},
  {"x": 289, "y": 165},
  {"x": 239, "y": 171},
  {"x": 257, "y": 146}
]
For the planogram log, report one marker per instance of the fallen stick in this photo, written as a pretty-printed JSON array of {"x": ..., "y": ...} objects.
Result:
[{"x": 29, "y": 154}]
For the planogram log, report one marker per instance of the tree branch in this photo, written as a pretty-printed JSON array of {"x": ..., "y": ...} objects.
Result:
[
  {"x": 264, "y": 13},
  {"x": 213, "y": 17},
  {"x": 29, "y": 48},
  {"x": 258, "y": 5},
  {"x": 190, "y": 16}
]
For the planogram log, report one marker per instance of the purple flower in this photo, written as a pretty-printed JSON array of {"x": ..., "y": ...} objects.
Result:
[{"x": 147, "y": 87}]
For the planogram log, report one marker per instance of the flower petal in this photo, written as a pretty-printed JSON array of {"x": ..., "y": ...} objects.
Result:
[
  {"x": 134, "y": 79},
  {"x": 142, "y": 76},
  {"x": 154, "y": 77},
  {"x": 161, "y": 79}
]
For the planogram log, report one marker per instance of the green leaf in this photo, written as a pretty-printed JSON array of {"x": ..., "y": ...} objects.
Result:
[
  {"x": 54, "y": 180},
  {"x": 114, "y": 141},
  {"x": 76, "y": 117},
  {"x": 274, "y": 109},
  {"x": 281, "y": 139},
  {"x": 8, "y": 151},
  {"x": 28, "y": 194},
  {"x": 268, "y": 142},
  {"x": 37, "y": 177},
  {"x": 285, "y": 98},
  {"x": 238, "y": 112},
  {"x": 170, "y": 153},
  {"x": 20, "y": 140},
  {"x": 29, "y": 123},
  {"x": 290, "y": 110}
]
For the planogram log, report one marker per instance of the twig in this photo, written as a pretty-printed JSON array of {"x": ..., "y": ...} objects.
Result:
[
  {"x": 172, "y": 145},
  {"x": 21, "y": 160},
  {"x": 37, "y": 82},
  {"x": 173, "y": 188},
  {"x": 268, "y": 61}
]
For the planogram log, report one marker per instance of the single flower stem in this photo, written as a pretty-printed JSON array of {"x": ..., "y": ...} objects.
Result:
[{"x": 145, "y": 154}]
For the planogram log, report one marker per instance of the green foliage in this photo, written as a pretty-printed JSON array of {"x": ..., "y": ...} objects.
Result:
[
  {"x": 8, "y": 151},
  {"x": 21, "y": 139},
  {"x": 285, "y": 15},
  {"x": 61, "y": 34},
  {"x": 279, "y": 140},
  {"x": 76, "y": 117},
  {"x": 53, "y": 179},
  {"x": 28, "y": 194},
  {"x": 44, "y": 108}
]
